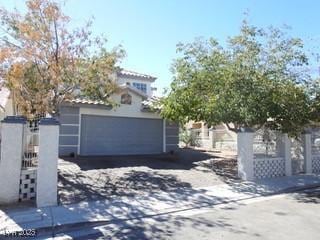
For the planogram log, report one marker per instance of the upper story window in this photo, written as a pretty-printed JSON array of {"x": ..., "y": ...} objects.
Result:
[
  {"x": 126, "y": 98},
  {"x": 141, "y": 86}
]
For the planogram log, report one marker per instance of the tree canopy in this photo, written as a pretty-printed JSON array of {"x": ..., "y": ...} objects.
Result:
[
  {"x": 44, "y": 62},
  {"x": 258, "y": 79}
]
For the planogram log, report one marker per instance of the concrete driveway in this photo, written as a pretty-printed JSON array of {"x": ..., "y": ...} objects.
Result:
[{"x": 91, "y": 178}]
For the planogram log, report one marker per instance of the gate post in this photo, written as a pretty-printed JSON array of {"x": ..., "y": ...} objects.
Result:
[
  {"x": 12, "y": 128},
  {"x": 287, "y": 154},
  {"x": 307, "y": 150},
  {"x": 47, "y": 173},
  {"x": 245, "y": 154}
]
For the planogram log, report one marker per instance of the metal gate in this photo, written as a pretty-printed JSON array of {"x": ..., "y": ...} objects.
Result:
[
  {"x": 28, "y": 176},
  {"x": 31, "y": 144}
]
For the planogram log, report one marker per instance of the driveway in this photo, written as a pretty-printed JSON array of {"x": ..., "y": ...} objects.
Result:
[{"x": 93, "y": 178}]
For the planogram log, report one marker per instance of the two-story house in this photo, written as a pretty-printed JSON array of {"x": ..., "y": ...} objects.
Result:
[{"x": 94, "y": 128}]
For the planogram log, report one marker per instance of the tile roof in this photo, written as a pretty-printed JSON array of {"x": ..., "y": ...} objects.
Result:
[
  {"x": 124, "y": 72},
  {"x": 86, "y": 101},
  {"x": 151, "y": 104}
]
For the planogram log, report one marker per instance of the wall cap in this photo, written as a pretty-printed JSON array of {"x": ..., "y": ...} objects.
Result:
[
  {"x": 307, "y": 131},
  {"x": 15, "y": 120},
  {"x": 49, "y": 121},
  {"x": 245, "y": 130}
]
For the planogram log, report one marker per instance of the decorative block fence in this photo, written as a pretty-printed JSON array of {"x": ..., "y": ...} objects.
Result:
[
  {"x": 270, "y": 154},
  {"x": 268, "y": 167},
  {"x": 316, "y": 163},
  {"x": 27, "y": 189}
]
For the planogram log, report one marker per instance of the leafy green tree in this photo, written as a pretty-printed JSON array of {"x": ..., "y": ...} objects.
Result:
[
  {"x": 257, "y": 80},
  {"x": 45, "y": 62}
]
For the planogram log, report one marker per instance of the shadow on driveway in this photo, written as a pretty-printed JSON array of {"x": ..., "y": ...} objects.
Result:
[
  {"x": 184, "y": 159},
  {"x": 92, "y": 178}
]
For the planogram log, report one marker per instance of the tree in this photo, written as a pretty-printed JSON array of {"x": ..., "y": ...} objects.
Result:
[
  {"x": 257, "y": 80},
  {"x": 44, "y": 62}
]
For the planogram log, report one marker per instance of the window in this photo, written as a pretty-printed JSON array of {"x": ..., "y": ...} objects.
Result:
[
  {"x": 126, "y": 99},
  {"x": 141, "y": 86}
]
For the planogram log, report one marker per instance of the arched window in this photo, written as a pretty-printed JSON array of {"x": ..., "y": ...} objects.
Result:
[{"x": 126, "y": 98}]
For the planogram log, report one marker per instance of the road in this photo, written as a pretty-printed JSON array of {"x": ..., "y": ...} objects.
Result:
[{"x": 286, "y": 216}]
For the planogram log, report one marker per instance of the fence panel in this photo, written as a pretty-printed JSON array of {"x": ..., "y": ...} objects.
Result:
[{"x": 315, "y": 141}]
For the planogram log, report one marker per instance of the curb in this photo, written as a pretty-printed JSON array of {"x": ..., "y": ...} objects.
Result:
[
  {"x": 298, "y": 188},
  {"x": 60, "y": 229}
]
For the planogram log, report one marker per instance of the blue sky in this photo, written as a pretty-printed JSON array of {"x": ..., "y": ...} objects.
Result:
[{"x": 149, "y": 30}]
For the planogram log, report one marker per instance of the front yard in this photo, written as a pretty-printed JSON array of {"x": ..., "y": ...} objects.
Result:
[{"x": 93, "y": 178}]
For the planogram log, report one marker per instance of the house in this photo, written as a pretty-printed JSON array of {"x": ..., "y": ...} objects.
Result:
[
  {"x": 212, "y": 138},
  {"x": 95, "y": 128}
]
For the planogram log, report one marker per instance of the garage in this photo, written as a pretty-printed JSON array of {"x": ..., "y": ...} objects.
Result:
[{"x": 108, "y": 135}]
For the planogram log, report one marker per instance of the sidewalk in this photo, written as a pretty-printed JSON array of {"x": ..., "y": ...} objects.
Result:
[{"x": 122, "y": 208}]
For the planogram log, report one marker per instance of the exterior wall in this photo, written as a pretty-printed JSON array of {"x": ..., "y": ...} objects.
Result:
[
  {"x": 171, "y": 136},
  {"x": 69, "y": 130},
  {"x": 123, "y": 110},
  {"x": 218, "y": 138},
  {"x": 122, "y": 80},
  {"x": 8, "y": 109}
]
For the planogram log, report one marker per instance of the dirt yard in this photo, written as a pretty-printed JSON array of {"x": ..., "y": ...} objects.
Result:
[{"x": 93, "y": 178}]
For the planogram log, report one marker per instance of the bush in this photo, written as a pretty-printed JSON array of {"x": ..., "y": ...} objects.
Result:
[{"x": 188, "y": 138}]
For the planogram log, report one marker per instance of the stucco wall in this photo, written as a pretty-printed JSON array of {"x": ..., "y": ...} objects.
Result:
[
  {"x": 10, "y": 164},
  {"x": 69, "y": 130},
  {"x": 172, "y": 136},
  {"x": 8, "y": 109}
]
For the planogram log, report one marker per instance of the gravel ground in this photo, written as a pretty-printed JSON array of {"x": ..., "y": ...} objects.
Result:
[{"x": 95, "y": 178}]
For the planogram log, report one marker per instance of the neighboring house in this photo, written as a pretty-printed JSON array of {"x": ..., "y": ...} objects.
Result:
[
  {"x": 6, "y": 105},
  {"x": 94, "y": 128},
  {"x": 214, "y": 138}
]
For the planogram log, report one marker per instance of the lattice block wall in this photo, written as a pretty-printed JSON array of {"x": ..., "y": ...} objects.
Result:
[
  {"x": 28, "y": 180},
  {"x": 316, "y": 163},
  {"x": 268, "y": 167}
]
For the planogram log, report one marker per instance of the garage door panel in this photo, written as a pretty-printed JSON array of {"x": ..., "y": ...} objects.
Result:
[{"x": 102, "y": 135}]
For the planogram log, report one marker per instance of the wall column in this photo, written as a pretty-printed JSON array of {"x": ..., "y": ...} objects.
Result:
[
  {"x": 12, "y": 129},
  {"x": 164, "y": 136},
  {"x": 245, "y": 154},
  {"x": 47, "y": 173},
  {"x": 307, "y": 150},
  {"x": 287, "y": 154}
]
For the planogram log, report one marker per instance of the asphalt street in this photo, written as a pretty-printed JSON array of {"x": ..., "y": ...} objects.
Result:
[{"x": 285, "y": 216}]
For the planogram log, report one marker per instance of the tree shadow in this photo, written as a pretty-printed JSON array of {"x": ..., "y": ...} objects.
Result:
[
  {"x": 160, "y": 227},
  {"x": 183, "y": 159},
  {"x": 225, "y": 168},
  {"x": 309, "y": 196},
  {"x": 77, "y": 187}
]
